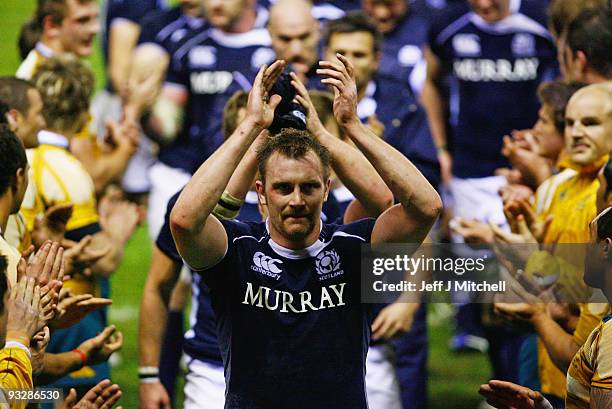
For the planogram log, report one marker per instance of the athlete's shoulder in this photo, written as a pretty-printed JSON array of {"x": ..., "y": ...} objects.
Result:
[
  {"x": 239, "y": 231},
  {"x": 359, "y": 231},
  {"x": 448, "y": 20}
]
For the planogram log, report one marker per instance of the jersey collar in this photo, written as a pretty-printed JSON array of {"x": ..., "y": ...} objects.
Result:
[
  {"x": 44, "y": 50},
  {"x": 308, "y": 252},
  {"x": 52, "y": 138}
]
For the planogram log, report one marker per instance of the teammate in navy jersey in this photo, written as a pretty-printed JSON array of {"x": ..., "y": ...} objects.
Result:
[
  {"x": 405, "y": 127},
  {"x": 121, "y": 26},
  {"x": 405, "y": 33},
  {"x": 204, "y": 71},
  {"x": 292, "y": 331},
  {"x": 496, "y": 53}
]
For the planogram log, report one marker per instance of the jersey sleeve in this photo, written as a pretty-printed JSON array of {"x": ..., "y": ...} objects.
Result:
[
  {"x": 602, "y": 377},
  {"x": 150, "y": 26},
  {"x": 164, "y": 241},
  {"x": 590, "y": 316},
  {"x": 15, "y": 370}
]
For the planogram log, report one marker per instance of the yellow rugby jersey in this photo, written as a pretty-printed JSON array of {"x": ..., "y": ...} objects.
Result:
[
  {"x": 29, "y": 66},
  {"x": 592, "y": 366},
  {"x": 12, "y": 256},
  {"x": 573, "y": 207},
  {"x": 57, "y": 177},
  {"x": 17, "y": 234},
  {"x": 15, "y": 370}
]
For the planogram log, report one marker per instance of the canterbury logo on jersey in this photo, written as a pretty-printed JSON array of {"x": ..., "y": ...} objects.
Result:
[
  {"x": 211, "y": 82},
  {"x": 266, "y": 265},
  {"x": 481, "y": 70},
  {"x": 283, "y": 301}
]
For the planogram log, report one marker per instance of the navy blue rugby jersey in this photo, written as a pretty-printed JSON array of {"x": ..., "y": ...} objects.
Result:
[
  {"x": 131, "y": 10},
  {"x": 211, "y": 66},
  {"x": 498, "y": 68},
  {"x": 405, "y": 120},
  {"x": 292, "y": 330},
  {"x": 402, "y": 54},
  {"x": 168, "y": 28}
]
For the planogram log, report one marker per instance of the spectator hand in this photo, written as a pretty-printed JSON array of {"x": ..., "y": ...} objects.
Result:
[
  {"x": 120, "y": 220},
  {"x": 80, "y": 257},
  {"x": 46, "y": 267},
  {"x": 26, "y": 313},
  {"x": 52, "y": 226},
  {"x": 73, "y": 308},
  {"x": 515, "y": 192},
  {"x": 508, "y": 395},
  {"x": 472, "y": 231},
  {"x": 99, "y": 348},
  {"x": 38, "y": 345},
  {"x": 102, "y": 396}
]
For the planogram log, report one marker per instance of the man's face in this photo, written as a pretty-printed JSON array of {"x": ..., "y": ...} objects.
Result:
[
  {"x": 358, "y": 47},
  {"x": 223, "y": 14},
  {"x": 78, "y": 30},
  {"x": 597, "y": 262},
  {"x": 550, "y": 141},
  {"x": 294, "y": 193},
  {"x": 588, "y": 129},
  {"x": 491, "y": 10},
  {"x": 295, "y": 39},
  {"x": 386, "y": 13},
  {"x": 33, "y": 121},
  {"x": 191, "y": 7},
  {"x": 21, "y": 181}
]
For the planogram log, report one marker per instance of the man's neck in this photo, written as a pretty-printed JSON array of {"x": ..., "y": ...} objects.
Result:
[
  {"x": 53, "y": 44},
  {"x": 308, "y": 241},
  {"x": 593, "y": 77},
  {"x": 5, "y": 211}
]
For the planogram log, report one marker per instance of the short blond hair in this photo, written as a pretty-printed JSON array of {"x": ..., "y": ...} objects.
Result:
[{"x": 66, "y": 85}]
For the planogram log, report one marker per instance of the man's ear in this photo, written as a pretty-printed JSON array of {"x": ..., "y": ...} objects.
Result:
[
  {"x": 49, "y": 27},
  {"x": 327, "y": 189},
  {"x": 606, "y": 247},
  {"x": 261, "y": 192},
  {"x": 13, "y": 116},
  {"x": 582, "y": 60}
]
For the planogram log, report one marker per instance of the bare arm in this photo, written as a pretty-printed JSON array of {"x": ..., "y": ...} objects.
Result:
[
  {"x": 122, "y": 38},
  {"x": 163, "y": 275},
  {"x": 419, "y": 203},
  {"x": 351, "y": 166},
  {"x": 435, "y": 106},
  {"x": 559, "y": 344},
  {"x": 200, "y": 238}
]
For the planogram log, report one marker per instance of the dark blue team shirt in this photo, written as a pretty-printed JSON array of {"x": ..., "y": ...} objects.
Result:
[
  {"x": 498, "y": 68},
  {"x": 201, "y": 340},
  {"x": 405, "y": 120},
  {"x": 132, "y": 10},
  {"x": 168, "y": 28},
  {"x": 292, "y": 330},
  {"x": 211, "y": 66},
  {"x": 402, "y": 49}
]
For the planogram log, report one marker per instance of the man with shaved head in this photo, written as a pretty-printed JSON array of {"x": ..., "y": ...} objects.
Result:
[{"x": 295, "y": 37}]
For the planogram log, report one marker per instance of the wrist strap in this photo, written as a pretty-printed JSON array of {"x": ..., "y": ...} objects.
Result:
[
  {"x": 148, "y": 372},
  {"x": 82, "y": 355},
  {"x": 228, "y": 207},
  {"x": 154, "y": 379}
]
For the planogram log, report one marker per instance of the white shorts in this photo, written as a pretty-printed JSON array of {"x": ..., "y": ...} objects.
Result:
[
  {"x": 382, "y": 384},
  {"x": 107, "y": 106},
  {"x": 204, "y": 386},
  {"x": 165, "y": 182}
]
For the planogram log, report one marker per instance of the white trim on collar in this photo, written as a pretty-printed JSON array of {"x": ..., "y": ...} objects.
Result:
[
  {"x": 310, "y": 251},
  {"x": 44, "y": 50},
  {"x": 52, "y": 138}
]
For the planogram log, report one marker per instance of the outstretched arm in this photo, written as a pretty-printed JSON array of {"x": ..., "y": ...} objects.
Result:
[
  {"x": 200, "y": 238},
  {"x": 351, "y": 166},
  {"x": 419, "y": 203}
]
